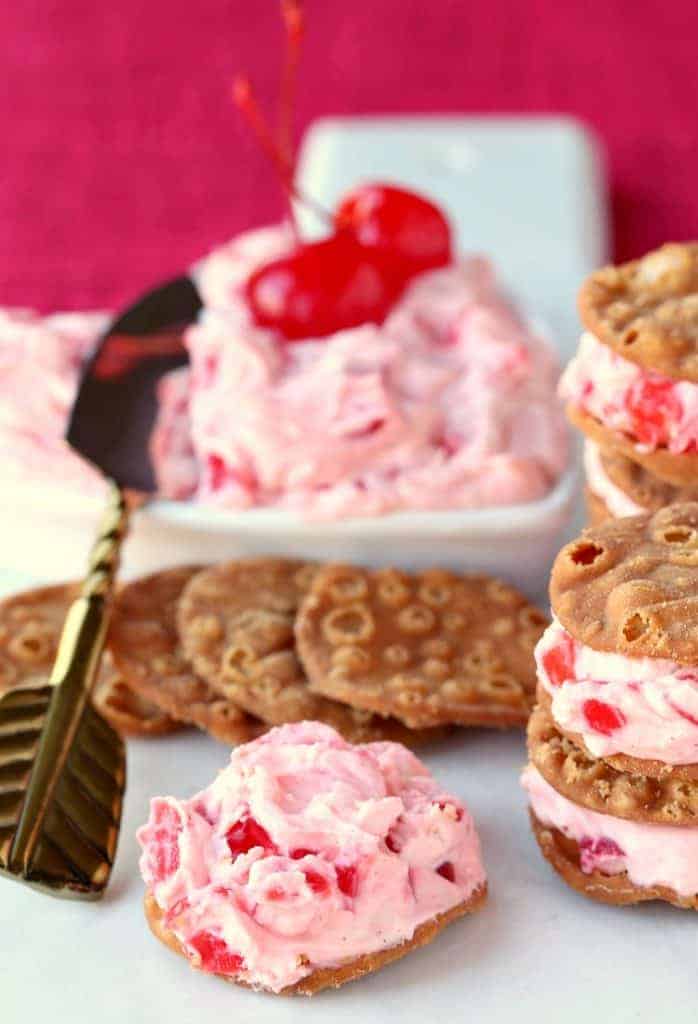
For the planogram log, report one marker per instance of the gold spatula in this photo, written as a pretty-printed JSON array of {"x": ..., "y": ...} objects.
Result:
[{"x": 62, "y": 767}]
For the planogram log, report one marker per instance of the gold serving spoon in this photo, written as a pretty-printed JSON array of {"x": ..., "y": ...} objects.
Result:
[{"x": 62, "y": 767}]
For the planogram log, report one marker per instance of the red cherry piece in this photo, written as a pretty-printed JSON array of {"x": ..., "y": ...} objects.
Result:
[
  {"x": 391, "y": 841},
  {"x": 300, "y": 853},
  {"x": 317, "y": 882},
  {"x": 602, "y": 847},
  {"x": 447, "y": 871},
  {"x": 653, "y": 405},
  {"x": 408, "y": 227},
  {"x": 321, "y": 288},
  {"x": 602, "y": 717},
  {"x": 215, "y": 955},
  {"x": 164, "y": 854},
  {"x": 218, "y": 474},
  {"x": 247, "y": 834},
  {"x": 347, "y": 879},
  {"x": 558, "y": 662}
]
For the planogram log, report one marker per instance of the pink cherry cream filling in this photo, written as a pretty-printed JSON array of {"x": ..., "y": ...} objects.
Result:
[
  {"x": 307, "y": 852},
  {"x": 651, "y": 855},
  {"x": 652, "y": 410},
  {"x": 642, "y": 707}
]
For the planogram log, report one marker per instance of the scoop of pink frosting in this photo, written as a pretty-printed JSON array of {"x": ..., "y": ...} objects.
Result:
[
  {"x": 40, "y": 362},
  {"x": 307, "y": 852},
  {"x": 653, "y": 410},
  {"x": 642, "y": 707},
  {"x": 449, "y": 403},
  {"x": 651, "y": 854}
]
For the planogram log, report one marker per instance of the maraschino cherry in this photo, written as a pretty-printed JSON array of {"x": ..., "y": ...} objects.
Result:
[
  {"x": 381, "y": 236},
  {"x": 401, "y": 224},
  {"x": 320, "y": 288}
]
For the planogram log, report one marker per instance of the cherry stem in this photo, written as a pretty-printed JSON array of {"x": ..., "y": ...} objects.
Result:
[
  {"x": 246, "y": 101},
  {"x": 294, "y": 24}
]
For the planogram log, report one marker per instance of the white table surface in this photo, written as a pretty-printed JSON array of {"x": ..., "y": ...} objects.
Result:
[{"x": 538, "y": 952}]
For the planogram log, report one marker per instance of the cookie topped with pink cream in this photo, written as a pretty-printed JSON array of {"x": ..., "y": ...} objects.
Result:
[{"x": 309, "y": 861}]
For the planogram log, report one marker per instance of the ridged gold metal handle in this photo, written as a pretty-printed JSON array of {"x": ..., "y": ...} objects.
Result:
[{"x": 70, "y": 807}]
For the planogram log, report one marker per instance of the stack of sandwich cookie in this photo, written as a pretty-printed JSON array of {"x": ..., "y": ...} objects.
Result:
[
  {"x": 612, "y": 777},
  {"x": 632, "y": 388}
]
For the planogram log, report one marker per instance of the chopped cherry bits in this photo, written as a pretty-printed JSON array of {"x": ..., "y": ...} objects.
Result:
[
  {"x": 642, "y": 707},
  {"x": 652, "y": 410},
  {"x": 306, "y": 853}
]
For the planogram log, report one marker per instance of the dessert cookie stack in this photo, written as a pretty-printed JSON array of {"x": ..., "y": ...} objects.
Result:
[
  {"x": 612, "y": 778},
  {"x": 632, "y": 388}
]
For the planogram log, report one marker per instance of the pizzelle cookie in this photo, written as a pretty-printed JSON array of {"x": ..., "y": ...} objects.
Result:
[
  {"x": 329, "y": 860},
  {"x": 647, "y": 491},
  {"x": 647, "y": 310},
  {"x": 145, "y": 646},
  {"x": 678, "y": 470},
  {"x": 128, "y": 713},
  {"x": 31, "y": 623},
  {"x": 630, "y": 586},
  {"x": 594, "y": 784},
  {"x": 430, "y": 648},
  {"x": 236, "y": 623}
]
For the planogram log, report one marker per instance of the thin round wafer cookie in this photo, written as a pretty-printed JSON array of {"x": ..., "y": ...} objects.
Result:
[
  {"x": 563, "y": 854},
  {"x": 652, "y": 769},
  {"x": 593, "y": 783},
  {"x": 334, "y": 977},
  {"x": 642, "y": 487},
  {"x": 597, "y": 510},
  {"x": 631, "y": 585},
  {"x": 430, "y": 648},
  {"x": 31, "y": 623},
  {"x": 145, "y": 645},
  {"x": 236, "y": 624},
  {"x": 647, "y": 310},
  {"x": 678, "y": 470},
  {"x": 124, "y": 709}
]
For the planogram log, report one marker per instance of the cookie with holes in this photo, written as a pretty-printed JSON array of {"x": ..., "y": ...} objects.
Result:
[
  {"x": 428, "y": 648},
  {"x": 236, "y": 624},
  {"x": 619, "y": 486},
  {"x": 633, "y": 384},
  {"x": 613, "y": 773},
  {"x": 145, "y": 645},
  {"x": 31, "y": 623},
  {"x": 309, "y": 862}
]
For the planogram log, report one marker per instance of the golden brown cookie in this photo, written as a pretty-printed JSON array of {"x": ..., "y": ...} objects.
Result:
[
  {"x": 624, "y": 762},
  {"x": 647, "y": 310},
  {"x": 430, "y": 648},
  {"x": 31, "y": 624},
  {"x": 646, "y": 490},
  {"x": 145, "y": 645},
  {"x": 631, "y": 585},
  {"x": 679, "y": 470},
  {"x": 333, "y": 977},
  {"x": 236, "y": 623},
  {"x": 563, "y": 854},
  {"x": 594, "y": 784},
  {"x": 597, "y": 510},
  {"x": 125, "y": 711}
]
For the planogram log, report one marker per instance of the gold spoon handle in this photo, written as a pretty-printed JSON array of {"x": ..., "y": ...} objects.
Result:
[{"x": 72, "y": 678}]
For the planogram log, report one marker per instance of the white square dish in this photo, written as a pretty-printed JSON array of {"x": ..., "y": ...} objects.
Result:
[{"x": 543, "y": 235}]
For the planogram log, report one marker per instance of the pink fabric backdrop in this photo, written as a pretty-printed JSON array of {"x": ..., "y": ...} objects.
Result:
[{"x": 123, "y": 159}]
